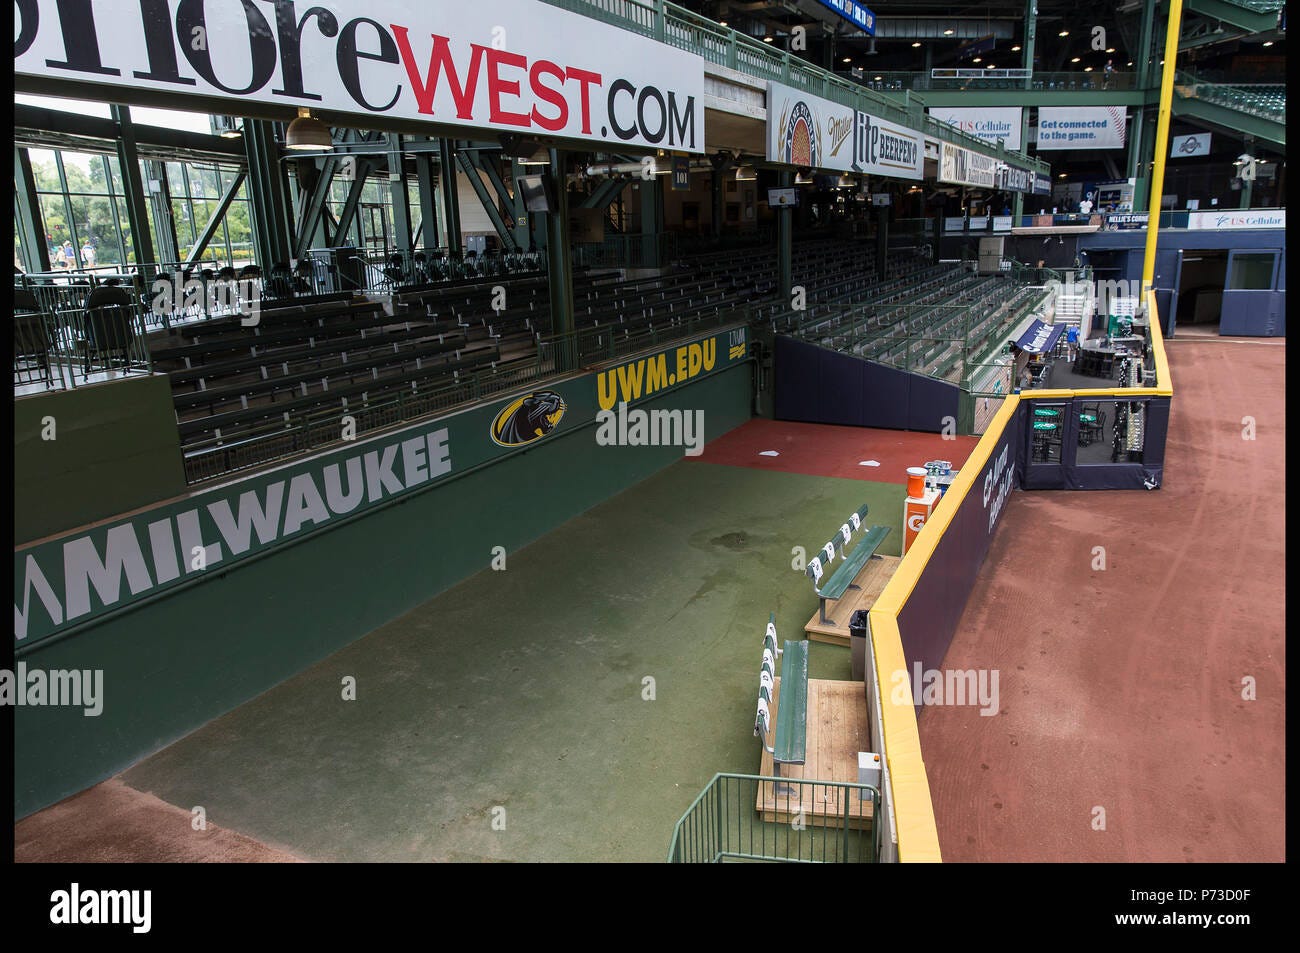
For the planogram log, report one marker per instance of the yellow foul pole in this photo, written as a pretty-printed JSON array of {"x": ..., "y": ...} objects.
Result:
[{"x": 1162, "y": 140}]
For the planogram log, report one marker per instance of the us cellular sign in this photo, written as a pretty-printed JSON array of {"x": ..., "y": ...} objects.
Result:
[{"x": 512, "y": 65}]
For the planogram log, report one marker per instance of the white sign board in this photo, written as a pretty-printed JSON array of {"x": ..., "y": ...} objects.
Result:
[
  {"x": 1081, "y": 127},
  {"x": 1247, "y": 218},
  {"x": 990, "y": 124},
  {"x": 815, "y": 133},
  {"x": 965, "y": 167},
  {"x": 513, "y": 65},
  {"x": 1181, "y": 147}
]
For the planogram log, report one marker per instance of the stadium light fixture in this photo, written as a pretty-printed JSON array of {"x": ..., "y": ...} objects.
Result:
[
  {"x": 1087, "y": 69},
  {"x": 947, "y": 32},
  {"x": 978, "y": 59},
  {"x": 746, "y": 173},
  {"x": 916, "y": 45},
  {"x": 307, "y": 134},
  {"x": 1064, "y": 33},
  {"x": 1016, "y": 48},
  {"x": 1075, "y": 60},
  {"x": 1268, "y": 43},
  {"x": 804, "y": 177}
]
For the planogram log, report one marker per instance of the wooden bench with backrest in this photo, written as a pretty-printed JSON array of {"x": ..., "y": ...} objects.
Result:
[
  {"x": 833, "y": 586},
  {"x": 789, "y": 744}
]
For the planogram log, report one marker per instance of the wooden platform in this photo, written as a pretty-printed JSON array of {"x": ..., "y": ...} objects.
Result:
[
  {"x": 870, "y": 582},
  {"x": 837, "y": 731}
]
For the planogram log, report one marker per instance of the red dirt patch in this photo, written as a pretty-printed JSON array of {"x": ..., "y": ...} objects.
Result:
[
  {"x": 114, "y": 823},
  {"x": 827, "y": 450}
]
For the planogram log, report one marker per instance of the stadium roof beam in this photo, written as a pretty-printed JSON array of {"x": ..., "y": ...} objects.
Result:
[
  {"x": 932, "y": 28},
  {"x": 214, "y": 221},
  {"x": 1205, "y": 32},
  {"x": 1246, "y": 20},
  {"x": 42, "y": 128},
  {"x": 470, "y": 163}
]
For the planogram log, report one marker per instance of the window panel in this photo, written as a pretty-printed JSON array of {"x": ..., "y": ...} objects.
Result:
[
  {"x": 45, "y": 170},
  {"x": 1251, "y": 271}
]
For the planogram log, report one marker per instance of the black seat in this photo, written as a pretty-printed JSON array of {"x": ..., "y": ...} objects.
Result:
[
  {"x": 31, "y": 338},
  {"x": 109, "y": 324}
]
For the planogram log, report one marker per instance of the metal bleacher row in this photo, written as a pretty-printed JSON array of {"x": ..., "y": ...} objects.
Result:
[
  {"x": 918, "y": 316},
  {"x": 338, "y": 353},
  {"x": 248, "y": 390}
]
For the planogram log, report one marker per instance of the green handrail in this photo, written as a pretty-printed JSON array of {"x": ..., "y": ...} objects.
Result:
[{"x": 724, "y": 823}]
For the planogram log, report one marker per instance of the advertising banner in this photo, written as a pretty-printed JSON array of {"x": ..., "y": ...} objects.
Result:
[
  {"x": 855, "y": 13},
  {"x": 961, "y": 166},
  {"x": 1182, "y": 147},
  {"x": 990, "y": 124},
  {"x": 1238, "y": 218},
  {"x": 1014, "y": 178},
  {"x": 514, "y": 65},
  {"x": 75, "y": 577},
  {"x": 815, "y": 133},
  {"x": 1081, "y": 127}
]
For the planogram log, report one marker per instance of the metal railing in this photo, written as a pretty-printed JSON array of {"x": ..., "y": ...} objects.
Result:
[
  {"x": 596, "y": 345},
  {"x": 897, "y": 81},
  {"x": 59, "y": 349},
  {"x": 724, "y": 46},
  {"x": 1266, "y": 100},
  {"x": 800, "y": 822},
  {"x": 626, "y": 251}
]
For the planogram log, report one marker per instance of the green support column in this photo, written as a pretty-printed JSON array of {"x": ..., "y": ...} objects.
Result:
[
  {"x": 450, "y": 194},
  {"x": 268, "y": 194},
  {"x": 525, "y": 235},
  {"x": 424, "y": 177},
  {"x": 1137, "y": 168},
  {"x": 882, "y": 240},
  {"x": 715, "y": 196},
  {"x": 399, "y": 196},
  {"x": 1027, "y": 49},
  {"x": 559, "y": 263},
  {"x": 1142, "y": 58},
  {"x": 137, "y": 212},
  {"x": 27, "y": 214},
  {"x": 784, "y": 239},
  {"x": 1247, "y": 185},
  {"x": 160, "y": 200},
  {"x": 652, "y": 220}
]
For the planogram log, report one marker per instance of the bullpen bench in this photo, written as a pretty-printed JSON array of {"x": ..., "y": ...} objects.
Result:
[
  {"x": 841, "y": 580},
  {"x": 789, "y": 745}
]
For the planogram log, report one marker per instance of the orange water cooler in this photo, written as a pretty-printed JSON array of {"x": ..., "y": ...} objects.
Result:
[{"x": 918, "y": 506}]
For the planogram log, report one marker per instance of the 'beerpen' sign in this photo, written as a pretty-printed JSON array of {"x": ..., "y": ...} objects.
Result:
[{"x": 74, "y": 578}]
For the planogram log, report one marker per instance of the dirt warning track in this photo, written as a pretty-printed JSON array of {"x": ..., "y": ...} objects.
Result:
[{"x": 1122, "y": 732}]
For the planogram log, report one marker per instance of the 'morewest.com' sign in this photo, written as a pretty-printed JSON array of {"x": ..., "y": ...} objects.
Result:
[{"x": 510, "y": 65}]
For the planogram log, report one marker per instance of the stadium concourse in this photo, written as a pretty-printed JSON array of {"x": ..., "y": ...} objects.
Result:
[{"x": 561, "y": 431}]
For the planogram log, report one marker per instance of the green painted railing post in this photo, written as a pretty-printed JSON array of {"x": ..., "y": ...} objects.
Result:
[{"x": 661, "y": 21}]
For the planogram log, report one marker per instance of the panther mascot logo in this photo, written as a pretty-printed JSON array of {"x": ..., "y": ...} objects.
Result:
[{"x": 529, "y": 418}]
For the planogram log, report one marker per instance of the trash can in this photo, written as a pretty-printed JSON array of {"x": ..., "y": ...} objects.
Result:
[{"x": 858, "y": 644}]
